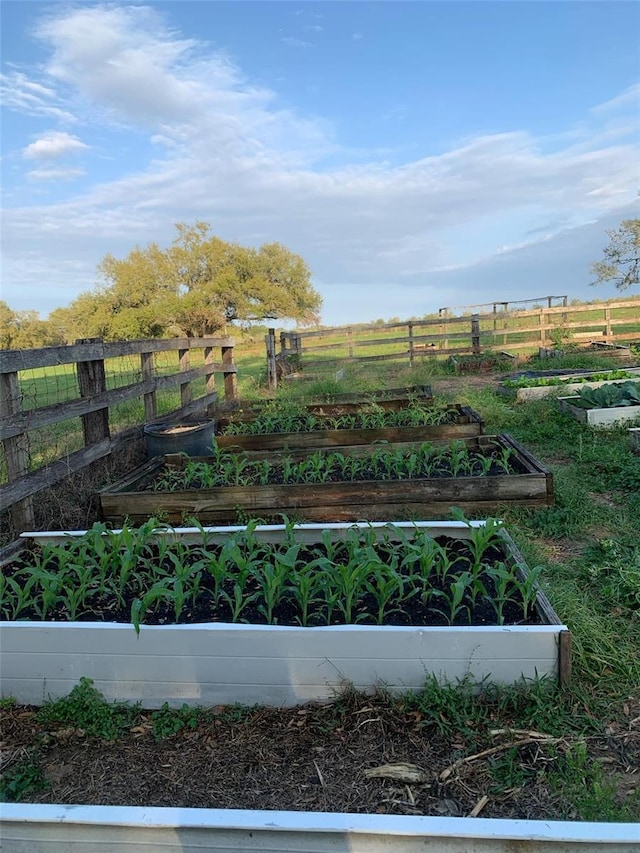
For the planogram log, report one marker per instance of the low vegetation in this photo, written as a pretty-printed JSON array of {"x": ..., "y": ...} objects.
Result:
[
  {"x": 383, "y": 463},
  {"x": 609, "y": 396},
  {"x": 367, "y": 576}
]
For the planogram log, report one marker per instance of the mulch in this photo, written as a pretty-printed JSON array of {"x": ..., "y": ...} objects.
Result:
[{"x": 316, "y": 758}]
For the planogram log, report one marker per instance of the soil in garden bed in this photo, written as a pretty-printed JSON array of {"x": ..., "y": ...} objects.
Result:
[
  {"x": 325, "y": 466},
  {"x": 453, "y": 598},
  {"x": 321, "y": 757}
]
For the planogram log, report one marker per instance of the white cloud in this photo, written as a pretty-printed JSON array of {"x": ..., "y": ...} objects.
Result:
[
  {"x": 52, "y": 145},
  {"x": 54, "y": 174},
  {"x": 223, "y": 150},
  {"x": 29, "y": 97},
  {"x": 630, "y": 96}
]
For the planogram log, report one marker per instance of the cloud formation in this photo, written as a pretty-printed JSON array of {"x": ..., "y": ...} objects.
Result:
[
  {"x": 224, "y": 150},
  {"x": 53, "y": 145}
]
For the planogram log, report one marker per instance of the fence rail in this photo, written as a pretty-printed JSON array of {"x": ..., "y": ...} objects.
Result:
[
  {"x": 608, "y": 323},
  {"x": 92, "y": 403}
]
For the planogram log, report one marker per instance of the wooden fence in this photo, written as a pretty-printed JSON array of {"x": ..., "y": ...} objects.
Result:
[
  {"x": 445, "y": 336},
  {"x": 92, "y": 404}
]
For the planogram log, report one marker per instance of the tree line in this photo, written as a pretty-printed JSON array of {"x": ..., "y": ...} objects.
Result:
[
  {"x": 196, "y": 287},
  {"x": 200, "y": 284}
]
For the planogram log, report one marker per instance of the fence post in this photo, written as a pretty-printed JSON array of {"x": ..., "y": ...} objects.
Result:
[
  {"x": 350, "y": 342},
  {"x": 186, "y": 395},
  {"x": 91, "y": 382},
  {"x": 410, "y": 344},
  {"x": 475, "y": 334},
  {"x": 16, "y": 451},
  {"x": 272, "y": 377},
  {"x": 230, "y": 376},
  {"x": 147, "y": 367},
  {"x": 543, "y": 333},
  {"x": 607, "y": 319}
]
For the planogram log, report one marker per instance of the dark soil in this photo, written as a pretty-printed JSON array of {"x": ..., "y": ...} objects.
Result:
[
  {"x": 408, "y": 610},
  {"x": 315, "y": 758}
]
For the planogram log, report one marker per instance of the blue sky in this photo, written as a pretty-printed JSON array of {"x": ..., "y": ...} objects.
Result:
[{"x": 416, "y": 154}]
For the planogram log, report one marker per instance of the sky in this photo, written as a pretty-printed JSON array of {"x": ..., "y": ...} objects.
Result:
[{"x": 416, "y": 154}]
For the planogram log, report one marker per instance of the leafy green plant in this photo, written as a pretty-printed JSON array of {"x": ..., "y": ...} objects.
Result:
[
  {"x": 609, "y": 396},
  {"x": 85, "y": 708},
  {"x": 363, "y": 573},
  {"x": 167, "y": 722},
  {"x": 22, "y": 780}
]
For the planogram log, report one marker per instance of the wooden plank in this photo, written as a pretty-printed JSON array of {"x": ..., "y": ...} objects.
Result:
[
  {"x": 147, "y": 367},
  {"x": 16, "y": 451},
  {"x": 186, "y": 395},
  {"x": 564, "y": 658},
  {"x": 53, "y": 473},
  {"x": 229, "y": 372},
  {"x": 339, "y": 437},
  {"x": 369, "y": 500},
  {"x": 92, "y": 382},
  {"x": 27, "y": 359},
  {"x": 47, "y": 415}
]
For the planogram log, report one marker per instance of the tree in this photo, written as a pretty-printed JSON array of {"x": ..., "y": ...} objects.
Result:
[
  {"x": 193, "y": 288},
  {"x": 621, "y": 262},
  {"x": 25, "y": 330}
]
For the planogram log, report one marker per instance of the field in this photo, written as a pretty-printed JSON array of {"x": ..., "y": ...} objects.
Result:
[{"x": 531, "y": 751}]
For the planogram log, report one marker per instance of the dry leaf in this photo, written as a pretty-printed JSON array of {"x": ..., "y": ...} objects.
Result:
[{"x": 401, "y": 772}]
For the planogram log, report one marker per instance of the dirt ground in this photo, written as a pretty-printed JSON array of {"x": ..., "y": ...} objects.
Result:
[{"x": 320, "y": 758}]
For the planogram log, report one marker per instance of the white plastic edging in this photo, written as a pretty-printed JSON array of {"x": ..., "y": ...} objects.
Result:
[
  {"x": 221, "y": 663},
  {"x": 27, "y": 828},
  {"x": 599, "y": 417}
]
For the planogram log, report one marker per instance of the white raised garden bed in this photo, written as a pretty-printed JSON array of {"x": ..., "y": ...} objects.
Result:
[
  {"x": 29, "y": 828},
  {"x": 599, "y": 417},
  {"x": 523, "y": 394},
  {"x": 218, "y": 663}
]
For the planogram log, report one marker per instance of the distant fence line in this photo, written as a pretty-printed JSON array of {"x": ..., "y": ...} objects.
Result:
[
  {"x": 446, "y": 336},
  {"x": 502, "y": 306},
  {"x": 92, "y": 404}
]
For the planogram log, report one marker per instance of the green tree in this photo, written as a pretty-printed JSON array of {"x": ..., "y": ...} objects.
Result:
[
  {"x": 25, "y": 330},
  {"x": 621, "y": 263},
  {"x": 195, "y": 287}
]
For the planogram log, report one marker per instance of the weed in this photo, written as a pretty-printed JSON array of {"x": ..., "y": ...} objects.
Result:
[
  {"x": 167, "y": 722},
  {"x": 86, "y": 708},
  {"x": 22, "y": 781}
]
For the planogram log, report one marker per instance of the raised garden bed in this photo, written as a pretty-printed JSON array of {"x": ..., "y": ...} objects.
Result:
[
  {"x": 481, "y": 363},
  {"x": 448, "y": 424},
  {"x": 120, "y": 829},
  {"x": 459, "y": 571},
  {"x": 535, "y": 388},
  {"x": 332, "y": 405},
  {"x": 606, "y": 406},
  {"x": 514, "y": 477}
]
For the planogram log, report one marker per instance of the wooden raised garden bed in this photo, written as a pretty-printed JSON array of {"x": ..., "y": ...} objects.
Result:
[
  {"x": 528, "y": 484},
  {"x": 419, "y": 632},
  {"x": 332, "y": 405},
  {"x": 464, "y": 423}
]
